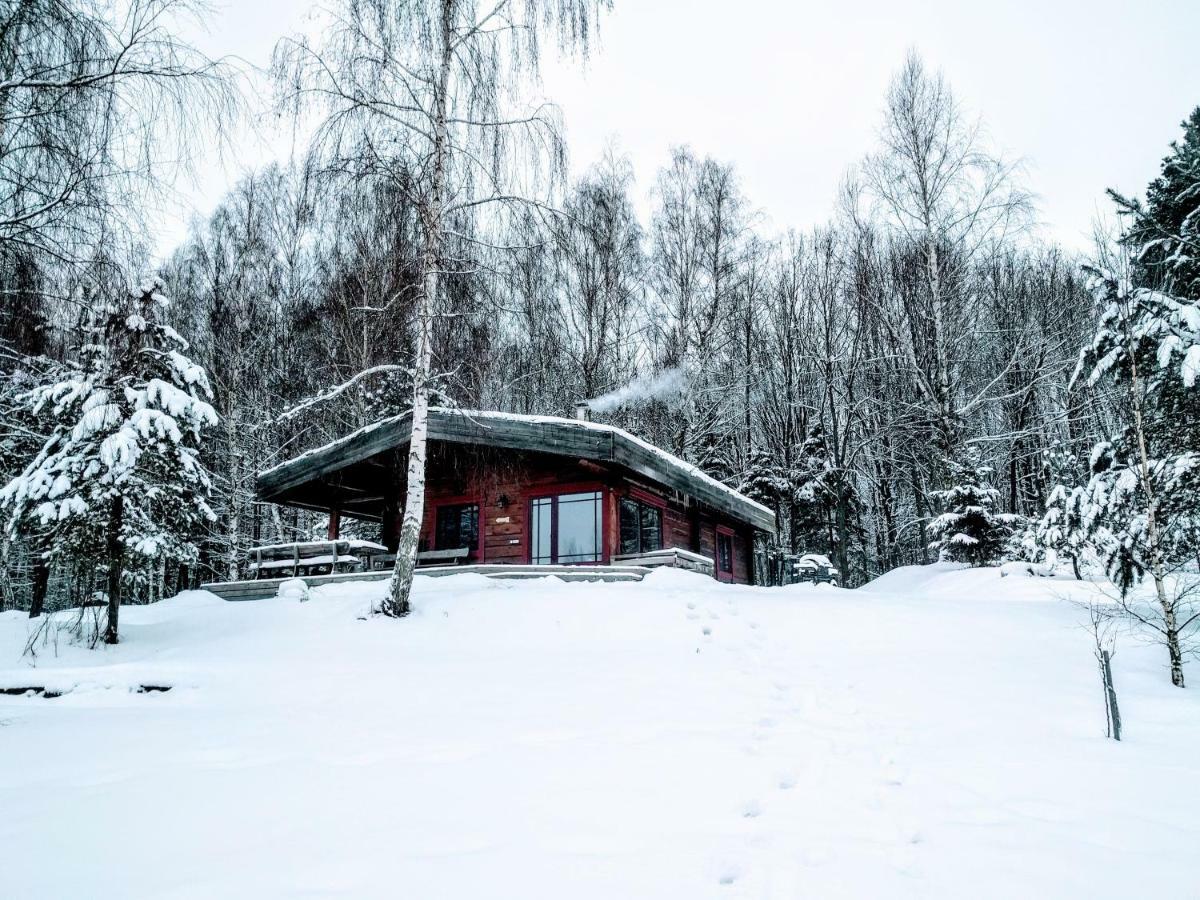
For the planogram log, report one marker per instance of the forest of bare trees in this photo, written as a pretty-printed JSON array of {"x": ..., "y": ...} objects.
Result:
[{"x": 852, "y": 375}]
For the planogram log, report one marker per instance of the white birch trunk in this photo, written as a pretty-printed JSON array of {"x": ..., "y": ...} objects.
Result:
[
  {"x": 400, "y": 588},
  {"x": 234, "y": 520},
  {"x": 1157, "y": 569}
]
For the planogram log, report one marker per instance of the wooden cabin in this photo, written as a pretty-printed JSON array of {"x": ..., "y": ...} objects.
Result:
[{"x": 503, "y": 488}]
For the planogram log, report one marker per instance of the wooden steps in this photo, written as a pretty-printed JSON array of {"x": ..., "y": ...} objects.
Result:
[
  {"x": 674, "y": 557},
  {"x": 269, "y": 587}
]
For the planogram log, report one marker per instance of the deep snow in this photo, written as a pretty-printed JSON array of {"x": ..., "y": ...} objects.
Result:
[{"x": 936, "y": 734}]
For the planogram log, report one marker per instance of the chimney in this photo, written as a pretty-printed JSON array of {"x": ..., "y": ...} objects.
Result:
[{"x": 583, "y": 412}]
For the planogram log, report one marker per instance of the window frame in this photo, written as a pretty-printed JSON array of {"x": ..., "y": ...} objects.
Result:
[
  {"x": 553, "y": 492},
  {"x": 642, "y": 499},
  {"x": 723, "y": 531},
  {"x": 474, "y": 553}
]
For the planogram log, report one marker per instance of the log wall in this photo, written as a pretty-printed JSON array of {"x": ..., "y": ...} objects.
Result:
[{"x": 504, "y": 484}]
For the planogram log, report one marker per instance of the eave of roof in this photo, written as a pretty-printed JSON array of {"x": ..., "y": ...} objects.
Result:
[{"x": 545, "y": 434}]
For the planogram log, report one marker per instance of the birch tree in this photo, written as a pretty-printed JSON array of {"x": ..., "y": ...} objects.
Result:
[
  {"x": 436, "y": 89},
  {"x": 946, "y": 198}
]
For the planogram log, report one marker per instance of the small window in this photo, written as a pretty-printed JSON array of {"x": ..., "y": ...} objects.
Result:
[
  {"x": 457, "y": 527},
  {"x": 641, "y": 526},
  {"x": 725, "y": 552}
]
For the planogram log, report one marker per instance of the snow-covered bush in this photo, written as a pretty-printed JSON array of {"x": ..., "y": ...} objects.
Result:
[{"x": 119, "y": 478}]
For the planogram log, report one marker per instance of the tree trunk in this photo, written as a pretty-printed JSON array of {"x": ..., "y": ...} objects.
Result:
[
  {"x": 233, "y": 523},
  {"x": 1157, "y": 568},
  {"x": 399, "y": 590},
  {"x": 1174, "y": 650},
  {"x": 842, "y": 516},
  {"x": 947, "y": 415},
  {"x": 41, "y": 581},
  {"x": 115, "y": 549},
  {"x": 923, "y": 515}
]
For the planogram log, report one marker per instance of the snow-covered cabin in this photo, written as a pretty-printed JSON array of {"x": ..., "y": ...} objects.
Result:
[{"x": 529, "y": 490}]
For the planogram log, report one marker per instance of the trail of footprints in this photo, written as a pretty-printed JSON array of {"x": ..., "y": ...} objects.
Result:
[{"x": 782, "y": 705}]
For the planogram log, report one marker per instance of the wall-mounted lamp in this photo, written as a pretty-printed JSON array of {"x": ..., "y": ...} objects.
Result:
[{"x": 502, "y": 501}]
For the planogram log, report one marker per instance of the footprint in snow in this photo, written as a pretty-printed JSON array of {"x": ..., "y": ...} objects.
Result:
[
  {"x": 707, "y": 631},
  {"x": 752, "y": 810},
  {"x": 904, "y": 860},
  {"x": 787, "y": 781},
  {"x": 729, "y": 874},
  {"x": 893, "y": 772}
]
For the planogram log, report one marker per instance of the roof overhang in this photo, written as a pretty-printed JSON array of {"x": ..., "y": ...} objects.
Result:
[{"x": 541, "y": 434}]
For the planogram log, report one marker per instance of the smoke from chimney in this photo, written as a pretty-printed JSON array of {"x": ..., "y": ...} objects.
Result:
[{"x": 667, "y": 383}]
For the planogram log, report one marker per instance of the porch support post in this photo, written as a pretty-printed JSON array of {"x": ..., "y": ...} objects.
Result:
[{"x": 335, "y": 525}]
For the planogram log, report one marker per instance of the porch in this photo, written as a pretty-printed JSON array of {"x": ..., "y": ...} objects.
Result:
[{"x": 634, "y": 567}]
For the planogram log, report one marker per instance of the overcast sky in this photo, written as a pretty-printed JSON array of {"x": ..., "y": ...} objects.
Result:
[{"x": 1088, "y": 92}]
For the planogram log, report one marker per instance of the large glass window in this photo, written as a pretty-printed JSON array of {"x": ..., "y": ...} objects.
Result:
[
  {"x": 457, "y": 527},
  {"x": 568, "y": 528},
  {"x": 641, "y": 526}
]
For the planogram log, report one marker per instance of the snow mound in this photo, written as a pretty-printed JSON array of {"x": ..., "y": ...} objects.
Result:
[{"x": 293, "y": 589}]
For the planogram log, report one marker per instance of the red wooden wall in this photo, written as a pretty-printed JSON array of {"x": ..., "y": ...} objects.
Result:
[{"x": 504, "y": 484}]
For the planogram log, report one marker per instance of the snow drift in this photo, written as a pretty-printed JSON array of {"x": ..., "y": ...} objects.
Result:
[{"x": 938, "y": 735}]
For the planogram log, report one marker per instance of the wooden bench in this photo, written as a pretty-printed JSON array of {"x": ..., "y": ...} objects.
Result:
[
  {"x": 385, "y": 561},
  {"x": 436, "y": 557}
]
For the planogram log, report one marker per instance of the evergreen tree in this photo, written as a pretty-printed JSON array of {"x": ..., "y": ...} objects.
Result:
[
  {"x": 814, "y": 484},
  {"x": 970, "y": 529},
  {"x": 764, "y": 480},
  {"x": 1142, "y": 501},
  {"x": 119, "y": 477},
  {"x": 1144, "y": 488},
  {"x": 1060, "y": 533},
  {"x": 1165, "y": 230}
]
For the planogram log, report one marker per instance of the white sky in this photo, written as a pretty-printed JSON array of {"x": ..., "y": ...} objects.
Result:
[{"x": 1088, "y": 92}]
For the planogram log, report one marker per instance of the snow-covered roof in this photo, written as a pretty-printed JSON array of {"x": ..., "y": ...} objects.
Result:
[{"x": 546, "y": 434}]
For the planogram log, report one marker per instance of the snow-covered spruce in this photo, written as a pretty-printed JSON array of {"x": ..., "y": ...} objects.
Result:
[
  {"x": 970, "y": 529},
  {"x": 1059, "y": 535},
  {"x": 119, "y": 479}
]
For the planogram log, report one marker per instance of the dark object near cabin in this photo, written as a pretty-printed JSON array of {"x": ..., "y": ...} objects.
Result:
[
  {"x": 815, "y": 568},
  {"x": 528, "y": 490}
]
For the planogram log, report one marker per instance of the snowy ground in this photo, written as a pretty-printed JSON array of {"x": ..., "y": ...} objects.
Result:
[{"x": 937, "y": 734}]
